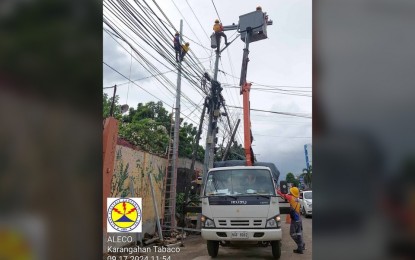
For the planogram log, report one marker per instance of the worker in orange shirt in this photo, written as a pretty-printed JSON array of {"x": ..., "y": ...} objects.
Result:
[
  {"x": 296, "y": 226},
  {"x": 218, "y": 28}
]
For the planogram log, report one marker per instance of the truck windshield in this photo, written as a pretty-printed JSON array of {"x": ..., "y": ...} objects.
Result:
[{"x": 239, "y": 182}]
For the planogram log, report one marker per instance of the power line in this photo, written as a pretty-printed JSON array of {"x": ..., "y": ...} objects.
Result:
[
  {"x": 216, "y": 10},
  {"x": 150, "y": 40},
  {"x": 145, "y": 90},
  {"x": 282, "y": 92},
  {"x": 184, "y": 18},
  {"x": 275, "y": 112},
  {"x": 198, "y": 20},
  {"x": 307, "y": 137},
  {"x": 146, "y": 61},
  {"x": 263, "y": 85},
  {"x": 151, "y": 76},
  {"x": 135, "y": 83}
]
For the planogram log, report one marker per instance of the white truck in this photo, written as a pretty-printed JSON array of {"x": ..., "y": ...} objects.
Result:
[{"x": 238, "y": 207}]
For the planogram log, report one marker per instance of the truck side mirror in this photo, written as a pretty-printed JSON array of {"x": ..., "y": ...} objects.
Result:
[{"x": 283, "y": 187}]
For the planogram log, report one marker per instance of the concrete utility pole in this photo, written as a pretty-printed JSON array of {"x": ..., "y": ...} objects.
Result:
[
  {"x": 212, "y": 125},
  {"x": 176, "y": 135},
  {"x": 213, "y": 108},
  {"x": 199, "y": 132}
]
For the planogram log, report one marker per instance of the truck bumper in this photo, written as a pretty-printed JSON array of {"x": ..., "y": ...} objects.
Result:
[{"x": 253, "y": 234}]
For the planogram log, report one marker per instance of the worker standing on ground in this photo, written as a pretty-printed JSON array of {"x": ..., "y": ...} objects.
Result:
[
  {"x": 218, "y": 28},
  {"x": 176, "y": 45},
  {"x": 296, "y": 226},
  {"x": 185, "y": 49}
]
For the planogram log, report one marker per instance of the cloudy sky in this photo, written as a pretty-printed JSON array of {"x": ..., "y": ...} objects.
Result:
[{"x": 279, "y": 67}]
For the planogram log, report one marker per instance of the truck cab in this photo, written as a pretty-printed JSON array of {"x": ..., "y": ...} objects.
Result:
[{"x": 239, "y": 203}]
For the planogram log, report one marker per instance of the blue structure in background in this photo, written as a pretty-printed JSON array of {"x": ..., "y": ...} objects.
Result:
[{"x": 307, "y": 150}]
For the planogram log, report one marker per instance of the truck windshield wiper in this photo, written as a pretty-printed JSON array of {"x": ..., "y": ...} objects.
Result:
[
  {"x": 261, "y": 195},
  {"x": 226, "y": 195}
]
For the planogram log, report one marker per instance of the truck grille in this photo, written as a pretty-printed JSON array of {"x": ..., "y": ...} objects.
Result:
[
  {"x": 240, "y": 223},
  {"x": 222, "y": 222},
  {"x": 243, "y": 223}
]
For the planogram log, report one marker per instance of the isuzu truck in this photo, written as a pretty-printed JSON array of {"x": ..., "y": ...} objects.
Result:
[{"x": 240, "y": 204}]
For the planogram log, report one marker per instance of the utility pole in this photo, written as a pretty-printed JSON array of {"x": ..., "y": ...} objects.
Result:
[
  {"x": 176, "y": 136},
  {"x": 199, "y": 132},
  {"x": 113, "y": 102},
  {"x": 213, "y": 109},
  {"x": 230, "y": 141}
]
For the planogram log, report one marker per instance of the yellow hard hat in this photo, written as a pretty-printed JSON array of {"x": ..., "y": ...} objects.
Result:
[
  {"x": 217, "y": 21},
  {"x": 294, "y": 191}
]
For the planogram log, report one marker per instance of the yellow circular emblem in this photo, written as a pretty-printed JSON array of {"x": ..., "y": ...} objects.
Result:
[{"x": 124, "y": 214}]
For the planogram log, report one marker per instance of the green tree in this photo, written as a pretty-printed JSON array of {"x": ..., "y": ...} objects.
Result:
[
  {"x": 236, "y": 152},
  {"x": 187, "y": 136},
  {"x": 290, "y": 178},
  {"x": 106, "y": 106},
  {"x": 150, "y": 110},
  {"x": 147, "y": 134},
  {"x": 308, "y": 174},
  {"x": 148, "y": 126}
]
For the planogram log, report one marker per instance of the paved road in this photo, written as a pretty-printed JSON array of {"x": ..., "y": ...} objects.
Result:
[{"x": 195, "y": 247}]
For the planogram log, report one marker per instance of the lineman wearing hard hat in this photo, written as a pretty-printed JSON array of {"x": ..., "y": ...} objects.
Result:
[
  {"x": 218, "y": 28},
  {"x": 185, "y": 49},
  {"x": 296, "y": 227},
  {"x": 176, "y": 45}
]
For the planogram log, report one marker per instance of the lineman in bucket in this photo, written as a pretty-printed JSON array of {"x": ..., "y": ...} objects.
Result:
[{"x": 296, "y": 227}]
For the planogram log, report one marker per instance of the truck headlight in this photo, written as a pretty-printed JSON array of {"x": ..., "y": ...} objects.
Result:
[
  {"x": 207, "y": 222},
  {"x": 273, "y": 222}
]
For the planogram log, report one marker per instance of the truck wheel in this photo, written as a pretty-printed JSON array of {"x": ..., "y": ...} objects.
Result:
[
  {"x": 213, "y": 248},
  {"x": 276, "y": 249}
]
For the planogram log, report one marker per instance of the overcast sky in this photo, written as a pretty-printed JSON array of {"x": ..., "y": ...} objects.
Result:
[{"x": 283, "y": 60}]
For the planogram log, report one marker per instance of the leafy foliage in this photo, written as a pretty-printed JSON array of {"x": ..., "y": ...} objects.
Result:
[
  {"x": 148, "y": 127},
  {"x": 187, "y": 135},
  {"x": 291, "y": 179},
  {"x": 308, "y": 174},
  {"x": 146, "y": 134},
  {"x": 106, "y": 106},
  {"x": 236, "y": 152}
]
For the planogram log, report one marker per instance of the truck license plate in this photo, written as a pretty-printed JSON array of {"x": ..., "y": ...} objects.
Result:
[{"x": 236, "y": 234}]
